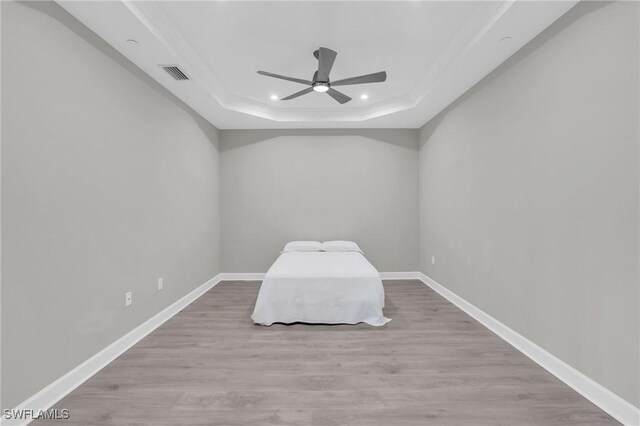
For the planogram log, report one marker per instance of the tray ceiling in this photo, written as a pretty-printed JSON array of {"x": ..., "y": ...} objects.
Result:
[{"x": 432, "y": 52}]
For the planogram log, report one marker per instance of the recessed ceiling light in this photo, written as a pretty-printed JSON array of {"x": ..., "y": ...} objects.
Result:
[
  {"x": 274, "y": 97},
  {"x": 365, "y": 96},
  {"x": 132, "y": 41},
  {"x": 507, "y": 38}
]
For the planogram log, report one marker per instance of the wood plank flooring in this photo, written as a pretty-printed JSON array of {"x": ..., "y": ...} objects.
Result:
[{"x": 431, "y": 365}]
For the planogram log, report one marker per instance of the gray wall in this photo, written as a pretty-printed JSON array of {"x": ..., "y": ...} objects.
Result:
[
  {"x": 108, "y": 182},
  {"x": 287, "y": 185},
  {"x": 529, "y": 193}
]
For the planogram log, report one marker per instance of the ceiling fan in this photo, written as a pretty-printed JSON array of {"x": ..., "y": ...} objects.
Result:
[{"x": 321, "y": 82}]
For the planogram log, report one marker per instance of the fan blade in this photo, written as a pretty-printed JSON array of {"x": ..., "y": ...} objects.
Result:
[
  {"x": 300, "y": 93},
  {"x": 282, "y": 77},
  {"x": 376, "y": 77},
  {"x": 325, "y": 63},
  {"x": 340, "y": 97}
]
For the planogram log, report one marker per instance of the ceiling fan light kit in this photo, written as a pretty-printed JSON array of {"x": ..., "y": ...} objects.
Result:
[
  {"x": 320, "y": 87},
  {"x": 320, "y": 82}
]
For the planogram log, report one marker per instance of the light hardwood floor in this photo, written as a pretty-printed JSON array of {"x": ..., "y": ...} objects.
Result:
[{"x": 432, "y": 365}]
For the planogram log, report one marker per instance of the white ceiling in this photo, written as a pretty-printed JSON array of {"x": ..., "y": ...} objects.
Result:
[{"x": 432, "y": 52}]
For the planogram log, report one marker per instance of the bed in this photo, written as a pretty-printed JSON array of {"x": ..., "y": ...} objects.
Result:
[{"x": 327, "y": 287}]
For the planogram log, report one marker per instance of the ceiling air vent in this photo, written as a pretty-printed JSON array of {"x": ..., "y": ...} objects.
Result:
[{"x": 175, "y": 72}]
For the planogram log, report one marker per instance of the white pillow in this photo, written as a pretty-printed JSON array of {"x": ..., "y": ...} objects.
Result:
[
  {"x": 340, "y": 246},
  {"x": 302, "y": 246}
]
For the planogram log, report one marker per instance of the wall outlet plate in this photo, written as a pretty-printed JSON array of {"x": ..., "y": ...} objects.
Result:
[
  {"x": 433, "y": 260},
  {"x": 160, "y": 283},
  {"x": 127, "y": 298}
]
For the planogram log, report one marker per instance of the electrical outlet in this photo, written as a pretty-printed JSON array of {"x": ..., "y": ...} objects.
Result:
[
  {"x": 433, "y": 260},
  {"x": 127, "y": 298},
  {"x": 160, "y": 283}
]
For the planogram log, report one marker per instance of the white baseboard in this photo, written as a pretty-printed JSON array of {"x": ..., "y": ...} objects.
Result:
[
  {"x": 57, "y": 390},
  {"x": 399, "y": 275},
  {"x": 259, "y": 276},
  {"x": 615, "y": 406},
  {"x": 242, "y": 276}
]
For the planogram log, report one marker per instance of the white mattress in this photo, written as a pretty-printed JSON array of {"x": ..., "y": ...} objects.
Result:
[{"x": 321, "y": 287}]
